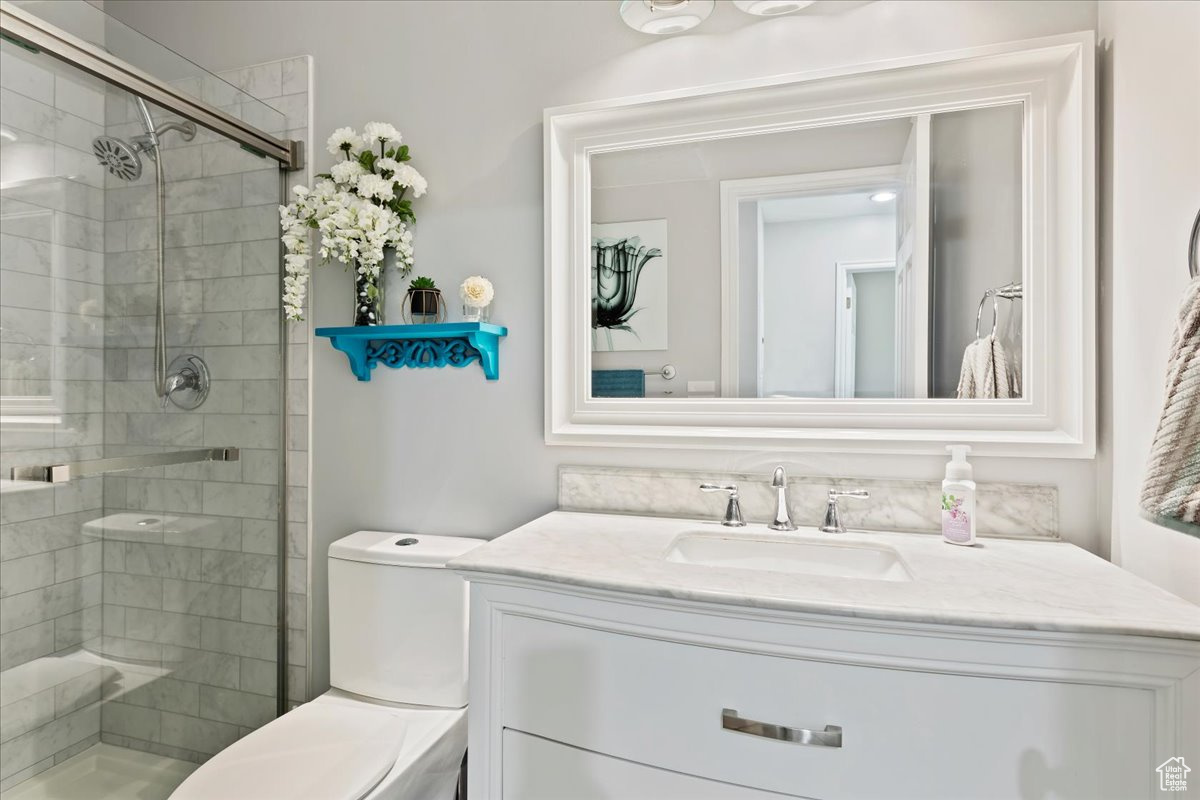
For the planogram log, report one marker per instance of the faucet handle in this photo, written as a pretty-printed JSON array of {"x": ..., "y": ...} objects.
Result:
[
  {"x": 733, "y": 511},
  {"x": 833, "y": 514}
]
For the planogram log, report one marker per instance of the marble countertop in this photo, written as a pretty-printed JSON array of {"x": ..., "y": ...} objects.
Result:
[{"x": 1000, "y": 583}]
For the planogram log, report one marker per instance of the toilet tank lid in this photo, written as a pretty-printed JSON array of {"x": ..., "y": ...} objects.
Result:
[{"x": 401, "y": 549}]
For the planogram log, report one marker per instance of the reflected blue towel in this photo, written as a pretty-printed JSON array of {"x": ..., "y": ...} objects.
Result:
[{"x": 618, "y": 383}]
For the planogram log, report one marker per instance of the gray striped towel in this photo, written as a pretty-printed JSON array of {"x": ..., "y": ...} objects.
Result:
[{"x": 1172, "y": 488}]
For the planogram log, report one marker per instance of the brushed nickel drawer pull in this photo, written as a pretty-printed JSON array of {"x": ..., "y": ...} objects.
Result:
[{"x": 830, "y": 737}]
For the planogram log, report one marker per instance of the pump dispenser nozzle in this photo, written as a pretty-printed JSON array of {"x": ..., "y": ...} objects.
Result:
[{"x": 958, "y": 468}]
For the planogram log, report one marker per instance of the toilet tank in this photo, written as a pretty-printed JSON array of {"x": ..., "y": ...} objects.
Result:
[{"x": 398, "y": 618}]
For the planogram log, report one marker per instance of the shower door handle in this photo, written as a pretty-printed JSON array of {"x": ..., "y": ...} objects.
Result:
[{"x": 61, "y": 473}]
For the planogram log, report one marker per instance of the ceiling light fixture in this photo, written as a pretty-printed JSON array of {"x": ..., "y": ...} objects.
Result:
[
  {"x": 771, "y": 8},
  {"x": 883, "y": 197},
  {"x": 661, "y": 17}
]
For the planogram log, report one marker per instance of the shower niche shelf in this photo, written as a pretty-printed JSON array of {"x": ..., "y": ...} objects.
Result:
[{"x": 445, "y": 344}]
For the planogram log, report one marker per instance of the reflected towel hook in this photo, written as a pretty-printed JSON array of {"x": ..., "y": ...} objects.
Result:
[
  {"x": 1011, "y": 291},
  {"x": 1193, "y": 244}
]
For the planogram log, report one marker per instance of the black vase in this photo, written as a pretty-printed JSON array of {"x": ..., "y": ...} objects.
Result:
[{"x": 368, "y": 299}]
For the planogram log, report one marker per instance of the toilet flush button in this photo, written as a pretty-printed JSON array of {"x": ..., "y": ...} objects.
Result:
[{"x": 406, "y": 542}]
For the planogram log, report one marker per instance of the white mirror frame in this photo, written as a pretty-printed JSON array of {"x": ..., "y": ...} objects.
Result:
[{"x": 1054, "y": 79}]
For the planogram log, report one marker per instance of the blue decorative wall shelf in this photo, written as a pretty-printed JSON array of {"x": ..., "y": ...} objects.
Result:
[{"x": 454, "y": 344}]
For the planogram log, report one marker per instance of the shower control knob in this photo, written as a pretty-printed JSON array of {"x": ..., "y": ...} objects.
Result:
[{"x": 188, "y": 382}]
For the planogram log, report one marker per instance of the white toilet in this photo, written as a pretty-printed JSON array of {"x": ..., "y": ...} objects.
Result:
[{"x": 393, "y": 727}]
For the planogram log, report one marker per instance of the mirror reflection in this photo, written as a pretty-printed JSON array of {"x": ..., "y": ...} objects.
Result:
[{"x": 879, "y": 259}]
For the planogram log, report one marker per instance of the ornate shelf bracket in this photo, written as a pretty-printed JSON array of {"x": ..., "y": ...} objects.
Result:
[{"x": 453, "y": 344}]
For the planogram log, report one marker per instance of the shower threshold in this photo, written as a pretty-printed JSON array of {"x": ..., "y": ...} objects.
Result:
[{"x": 106, "y": 772}]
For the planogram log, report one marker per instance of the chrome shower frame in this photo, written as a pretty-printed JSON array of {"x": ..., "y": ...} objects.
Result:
[
  {"x": 30, "y": 31},
  {"x": 33, "y": 33}
]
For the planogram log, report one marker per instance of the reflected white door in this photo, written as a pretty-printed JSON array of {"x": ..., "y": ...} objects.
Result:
[
  {"x": 847, "y": 324},
  {"x": 912, "y": 266}
]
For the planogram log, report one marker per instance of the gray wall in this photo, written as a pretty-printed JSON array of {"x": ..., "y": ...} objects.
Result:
[
  {"x": 440, "y": 451},
  {"x": 1149, "y": 129},
  {"x": 693, "y": 260},
  {"x": 975, "y": 184}
]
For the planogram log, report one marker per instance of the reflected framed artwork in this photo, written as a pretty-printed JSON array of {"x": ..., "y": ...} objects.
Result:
[{"x": 629, "y": 285}]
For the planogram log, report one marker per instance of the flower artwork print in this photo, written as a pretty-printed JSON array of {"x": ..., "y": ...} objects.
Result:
[{"x": 629, "y": 285}]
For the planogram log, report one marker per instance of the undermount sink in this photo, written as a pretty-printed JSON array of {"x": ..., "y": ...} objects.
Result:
[{"x": 781, "y": 555}]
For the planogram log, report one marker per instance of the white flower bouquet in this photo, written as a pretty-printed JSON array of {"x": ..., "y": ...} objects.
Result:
[{"x": 360, "y": 209}]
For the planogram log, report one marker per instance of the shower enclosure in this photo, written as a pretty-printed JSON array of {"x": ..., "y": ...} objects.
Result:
[{"x": 144, "y": 584}]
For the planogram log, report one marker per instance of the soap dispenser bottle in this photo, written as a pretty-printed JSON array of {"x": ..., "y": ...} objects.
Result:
[{"x": 958, "y": 498}]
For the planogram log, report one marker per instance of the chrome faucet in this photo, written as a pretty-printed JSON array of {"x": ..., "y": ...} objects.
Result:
[
  {"x": 783, "y": 521},
  {"x": 733, "y": 511},
  {"x": 833, "y": 514}
]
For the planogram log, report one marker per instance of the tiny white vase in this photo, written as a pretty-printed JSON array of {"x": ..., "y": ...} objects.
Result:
[{"x": 476, "y": 313}]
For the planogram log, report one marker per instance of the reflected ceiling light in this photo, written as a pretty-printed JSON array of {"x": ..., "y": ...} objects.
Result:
[
  {"x": 883, "y": 197},
  {"x": 771, "y": 8},
  {"x": 665, "y": 16},
  {"x": 7, "y": 135}
]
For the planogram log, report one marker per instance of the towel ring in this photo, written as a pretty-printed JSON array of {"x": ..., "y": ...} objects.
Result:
[
  {"x": 1193, "y": 244},
  {"x": 995, "y": 312}
]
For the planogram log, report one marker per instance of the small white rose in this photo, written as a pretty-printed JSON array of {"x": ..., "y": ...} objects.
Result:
[{"x": 476, "y": 291}]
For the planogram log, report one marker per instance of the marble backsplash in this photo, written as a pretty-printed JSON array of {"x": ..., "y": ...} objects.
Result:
[{"x": 1002, "y": 509}]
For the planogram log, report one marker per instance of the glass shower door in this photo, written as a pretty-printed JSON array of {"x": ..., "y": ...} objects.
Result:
[{"x": 139, "y": 606}]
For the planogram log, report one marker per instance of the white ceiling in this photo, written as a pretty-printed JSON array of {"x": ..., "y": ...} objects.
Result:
[
  {"x": 865, "y": 144},
  {"x": 825, "y": 206}
]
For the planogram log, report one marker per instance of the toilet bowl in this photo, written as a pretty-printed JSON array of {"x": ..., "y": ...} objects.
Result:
[{"x": 394, "y": 725}]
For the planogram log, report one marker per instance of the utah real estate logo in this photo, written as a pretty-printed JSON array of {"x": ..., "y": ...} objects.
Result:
[{"x": 1172, "y": 775}]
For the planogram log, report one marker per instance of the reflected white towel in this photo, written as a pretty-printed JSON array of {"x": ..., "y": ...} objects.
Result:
[
  {"x": 1172, "y": 487},
  {"x": 987, "y": 371}
]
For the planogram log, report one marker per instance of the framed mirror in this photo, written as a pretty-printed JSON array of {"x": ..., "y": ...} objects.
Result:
[{"x": 880, "y": 258}]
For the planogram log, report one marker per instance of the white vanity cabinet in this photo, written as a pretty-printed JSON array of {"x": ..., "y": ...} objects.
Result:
[{"x": 579, "y": 693}]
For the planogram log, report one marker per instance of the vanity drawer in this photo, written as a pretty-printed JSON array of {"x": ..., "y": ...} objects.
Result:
[
  {"x": 539, "y": 769},
  {"x": 904, "y": 734}
]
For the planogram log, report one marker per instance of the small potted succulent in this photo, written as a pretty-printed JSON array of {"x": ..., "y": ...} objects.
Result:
[{"x": 423, "y": 302}]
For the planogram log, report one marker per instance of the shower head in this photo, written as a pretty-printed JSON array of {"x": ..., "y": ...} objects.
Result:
[
  {"x": 123, "y": 159},
  {"x": 118, "y": 157}
]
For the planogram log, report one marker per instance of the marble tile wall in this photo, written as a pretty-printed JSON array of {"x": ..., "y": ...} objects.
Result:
[
  {"x": 190, "y": 552},
  {"x": 51, "y": 402},
  {"x": 1002, "y": 509}
]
